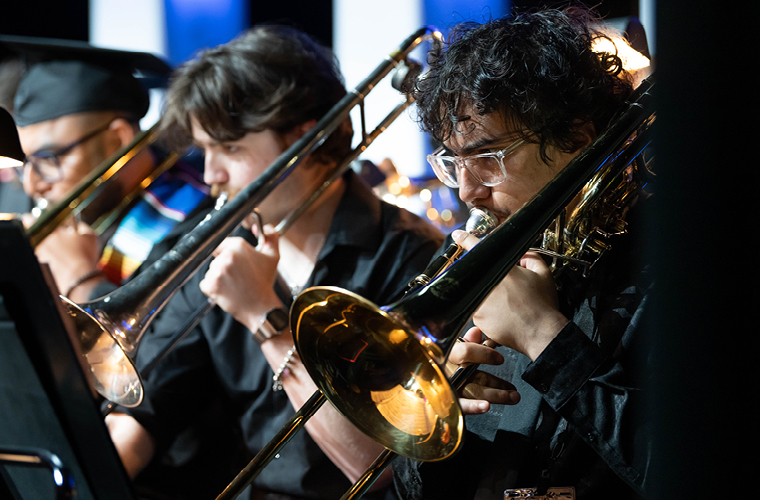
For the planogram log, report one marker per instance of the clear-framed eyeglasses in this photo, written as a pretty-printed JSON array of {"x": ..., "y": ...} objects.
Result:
[
  {"x": 47, "y": 163},
  {"x": 487, "y": 168}
]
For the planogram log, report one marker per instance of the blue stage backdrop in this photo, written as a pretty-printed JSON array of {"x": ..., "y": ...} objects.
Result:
[
  {"x": 192, "y": 25},
  {"x": 445, "y": 13}
]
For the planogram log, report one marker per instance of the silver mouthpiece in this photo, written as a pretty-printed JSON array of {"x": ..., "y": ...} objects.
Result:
[
  {"x": 221, "y": 200},
  {"x": 480, "y": 222}
]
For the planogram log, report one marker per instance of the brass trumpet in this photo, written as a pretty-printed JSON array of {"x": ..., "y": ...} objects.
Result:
[{"x": 382, "y": 367}]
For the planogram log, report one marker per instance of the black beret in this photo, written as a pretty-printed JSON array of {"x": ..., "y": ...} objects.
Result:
[
  {"x": 54, "y": 89},
  {"x": 66, "y": 77}
]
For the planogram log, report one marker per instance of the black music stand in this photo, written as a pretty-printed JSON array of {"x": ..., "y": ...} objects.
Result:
[{"x": 46, "y": 404}]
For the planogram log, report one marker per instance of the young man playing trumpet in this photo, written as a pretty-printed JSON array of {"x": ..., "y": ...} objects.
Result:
[
  {"x": 244, "y": 103},
  {"x": 513, "y": 101}
]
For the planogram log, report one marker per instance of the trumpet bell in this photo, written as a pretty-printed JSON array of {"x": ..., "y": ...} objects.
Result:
[
  {"x": 377, "y": 373},
  {"x": 114, "y": 375}
]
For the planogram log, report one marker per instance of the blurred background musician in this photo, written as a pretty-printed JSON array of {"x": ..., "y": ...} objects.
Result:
[
  {"x": 244, "y": 103},
  {"x": 75, "y": 106},
  {"x": 511, "y": 115}
]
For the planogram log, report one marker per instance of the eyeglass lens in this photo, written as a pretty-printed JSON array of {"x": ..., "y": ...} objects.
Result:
[
  {"x": 486, "y": 170},
  {"x": 46, "y": 166},
  {"x": 46, "y": 163}
]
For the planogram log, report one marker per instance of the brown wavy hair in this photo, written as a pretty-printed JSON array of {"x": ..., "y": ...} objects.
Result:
[{"x": 270, "y": 78}]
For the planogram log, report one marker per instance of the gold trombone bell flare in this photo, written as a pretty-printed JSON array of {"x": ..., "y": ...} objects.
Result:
[{"x": 378, "y": 372}]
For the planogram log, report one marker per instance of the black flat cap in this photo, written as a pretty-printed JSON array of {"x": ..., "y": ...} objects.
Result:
[{"x": 65, "y": 77}]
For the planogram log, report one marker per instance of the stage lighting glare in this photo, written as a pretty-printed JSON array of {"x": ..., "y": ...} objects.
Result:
[{"x": 632, "y": 59}]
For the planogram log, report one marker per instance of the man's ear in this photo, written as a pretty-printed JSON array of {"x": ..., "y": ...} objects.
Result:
[
  {"x": 298, "y": 131},
  {"x": 585, "y": 133},
  {"x": 124, "y": 131}
]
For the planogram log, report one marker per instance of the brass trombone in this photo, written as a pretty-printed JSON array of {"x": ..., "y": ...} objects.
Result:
[
  {"x": 89, "y": 188},
  {"x": 110, "y": 328},
  {"x": 382, "y": 367}
]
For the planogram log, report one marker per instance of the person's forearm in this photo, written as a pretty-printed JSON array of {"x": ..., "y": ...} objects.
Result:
[
  {"x": 352, "y": 451},
  {"x": 598, "y": 396},
  {"x": 133, "y": 443},
  {"x": 348, "y": 448}
]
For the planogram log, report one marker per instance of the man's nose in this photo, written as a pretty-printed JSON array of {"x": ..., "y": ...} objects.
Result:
[
  {"x": 214, "y": 170},
  {"x": 34, "y": 185},
  {"x": 470, "y": 188}
]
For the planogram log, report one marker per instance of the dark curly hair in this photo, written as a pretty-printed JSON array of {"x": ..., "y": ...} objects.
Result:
[
  {"x": 536, "y": 69},
  {"x": 270, "y": 78}
]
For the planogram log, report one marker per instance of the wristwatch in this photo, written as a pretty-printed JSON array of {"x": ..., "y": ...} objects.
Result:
[{"x": 275, "y": 321}]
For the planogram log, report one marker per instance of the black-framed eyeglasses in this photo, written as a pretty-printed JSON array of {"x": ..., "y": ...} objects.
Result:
[
  {"x": 487, "y": 168},
  {"x": 47, "y": 163}
]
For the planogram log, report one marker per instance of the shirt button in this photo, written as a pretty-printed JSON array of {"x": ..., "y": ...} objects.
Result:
[{"x": 543, "y": 388}]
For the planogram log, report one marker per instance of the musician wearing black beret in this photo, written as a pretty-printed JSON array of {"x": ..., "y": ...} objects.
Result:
[{"x": 76, "y": 106}]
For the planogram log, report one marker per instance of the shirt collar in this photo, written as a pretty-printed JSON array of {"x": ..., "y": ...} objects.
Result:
[{"x": 356, "y": 220}]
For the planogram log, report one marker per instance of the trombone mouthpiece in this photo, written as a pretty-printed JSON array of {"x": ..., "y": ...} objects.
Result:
[
  {"x": 221, "y": 200},
  {"x": 480, "y": 222}
]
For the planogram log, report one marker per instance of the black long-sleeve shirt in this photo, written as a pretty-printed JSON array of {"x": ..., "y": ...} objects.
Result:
[{"x": 579, "y": 421}]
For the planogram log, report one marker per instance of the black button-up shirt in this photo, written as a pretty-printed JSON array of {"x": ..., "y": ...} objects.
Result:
[
  {"x": 373, "y": 249},
  {"x": 579, "y": 420}
]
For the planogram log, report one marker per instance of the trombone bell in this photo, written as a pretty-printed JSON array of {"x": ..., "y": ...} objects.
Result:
[
  {"x": 377, "y": 373},
  {"x": 114, "y": 375}
]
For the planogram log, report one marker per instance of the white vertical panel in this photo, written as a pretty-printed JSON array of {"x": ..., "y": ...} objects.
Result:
[
  {"x": 137, "y": 25},
  {"x": 648, "y": 18},
  {"x": 365, "y": 31},
  {"x": 131, "y": 25}
]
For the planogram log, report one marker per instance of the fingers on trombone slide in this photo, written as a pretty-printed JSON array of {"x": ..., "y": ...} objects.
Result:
[
  {"x": 253, "y": 223},
  {"x": 484, "y": 389},
  {"x": 261, "y": 234},
  {"x": 469, "y": 350},
  {"x": 477, "y": 389}
]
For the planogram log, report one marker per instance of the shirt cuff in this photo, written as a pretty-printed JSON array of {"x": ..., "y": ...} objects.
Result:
[{"x": 564, "y": 366}]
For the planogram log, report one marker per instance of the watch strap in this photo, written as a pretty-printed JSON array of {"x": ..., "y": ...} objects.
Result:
[{"x": 274, "y": 323}]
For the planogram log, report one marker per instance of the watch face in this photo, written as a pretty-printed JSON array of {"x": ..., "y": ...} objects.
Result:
[{"x": 278, "y": 318}]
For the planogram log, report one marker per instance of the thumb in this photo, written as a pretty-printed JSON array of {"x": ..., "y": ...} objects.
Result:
[
  {"x": 28, "y": 219},
  {"x": 84, "y": 228},
  {"x": 269, "y": 242},
  {"x": 532, "y": 261},
  {"x": 464, "y": 239}
]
